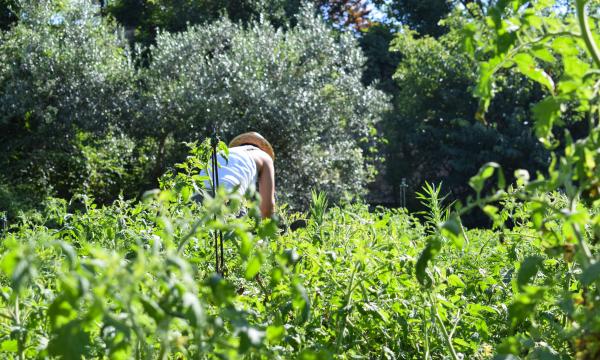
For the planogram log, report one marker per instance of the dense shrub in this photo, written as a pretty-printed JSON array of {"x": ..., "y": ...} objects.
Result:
[
  {"x": 64, "y": 73},
  {"x": 137, "y": 280},
  {"x": 69, "y": 90},
  {"x": 300, "y": 88},
  {"x": 434, "y": 133}
]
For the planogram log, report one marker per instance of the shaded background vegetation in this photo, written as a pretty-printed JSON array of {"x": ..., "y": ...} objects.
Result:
[{"x": 98, "y": 97}]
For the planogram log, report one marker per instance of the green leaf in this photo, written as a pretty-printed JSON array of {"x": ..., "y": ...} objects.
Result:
[
  {"x": 275, "y": 334},
  {"x": 546, "y": 113},
  {"x": 194, "y": 311},
  {"x": 529, "y": 268},
  {"x": 451, "y": 229},
  {"x": 542, "y": 53},
  {"x": 590, "y": 274},
  {"x": 70, "y": 341},
  {"x": 152, "y": 308},
  {"x": 469, "y": 41},
  {"x": 545, "y": 352},
  {"x": 508, "y": 348},
  {"x": 301, "y": 302},
  {"x": 9, "y": 346},
  {"x": 69, "y": 252},
  {"x": 268, "y": 229},
  {"x": 245, "y": 246},
  {"x": 431, "y": 250},
  {"x": 524, "y": 305},
  {"x": 485, "y": 85},
  {"x": 565, "y": 46},
  {"x": 253, "y": 268},
  {"x": 485, "y": 172},
  {"x": 460, "y": 342},
  {"x": 454, "y": 280},
  {"x": 222, "y": 291},
  {"x": 528, "y": 67}
]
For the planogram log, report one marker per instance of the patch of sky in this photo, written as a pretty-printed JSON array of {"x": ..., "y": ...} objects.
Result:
[{"x": 56, "y": 19}]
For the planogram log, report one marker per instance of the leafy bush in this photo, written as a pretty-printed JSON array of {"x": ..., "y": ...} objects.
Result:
[
  {"x": 67, "y": 85},
  {"x": 300, "y": 88},
  {"x": 63, "y": 73},
  {"x": 434, "y": 134},
  {"x": 136, "y": 279},
  {"x": 555, "y": 311}
]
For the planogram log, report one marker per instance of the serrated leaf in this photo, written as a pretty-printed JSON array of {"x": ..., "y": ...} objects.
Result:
[
  {"x": 528, "y": 67},
  {"x": 544, "y": 54}
]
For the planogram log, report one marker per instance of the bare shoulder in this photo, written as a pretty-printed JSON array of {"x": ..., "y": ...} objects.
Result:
[{"x": 262, "y": 159}]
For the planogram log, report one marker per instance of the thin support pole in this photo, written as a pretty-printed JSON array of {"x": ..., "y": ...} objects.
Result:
[{"x": 218, "y": 235}]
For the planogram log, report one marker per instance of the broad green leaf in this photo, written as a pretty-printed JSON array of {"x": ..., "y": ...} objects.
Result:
[
  {"x": 546, "y": 113},
  {"x": 252, "y": 268},
  {"x": 543, "y": 53},
  {"x": 485, "y": 172},
  {"x": 454, "y": 280},
  {"x": 275, "y": 333},
  {"x": 528, "y": 67},
  {"x": 565, "y": 46},
  {"x": 427, "y": 255},
  {"x": 451, "y": 229},
  {"x": 460, "y": 342},
  {"x": 529, "y": 268},
  {"x": 9, "y": 346}
]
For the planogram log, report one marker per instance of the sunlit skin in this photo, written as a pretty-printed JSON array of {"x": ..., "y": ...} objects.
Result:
[{"x": 266, "y": 181}]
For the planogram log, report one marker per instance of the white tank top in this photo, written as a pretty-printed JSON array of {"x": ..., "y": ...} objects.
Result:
[{"x": 239, "y": 169}]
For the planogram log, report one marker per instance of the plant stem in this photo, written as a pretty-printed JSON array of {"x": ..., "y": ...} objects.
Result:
[
  {"x": 586, "y": 32},
  {"x": 342, "y": 321},
  {"x": 425, "y": 330},
  {"x": 18, "y": 325},
  {"x": 447, "y": 337},
  {"x": 588, "y": 257}
]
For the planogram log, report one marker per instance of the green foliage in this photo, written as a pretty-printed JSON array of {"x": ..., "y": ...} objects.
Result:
[
  {"x": 422, "y": 16},
  {"x": 558, "y": 51},
  {"x": 306, "y": 98},
  {"x": 77, "y": 116},
  {"x": 318, "y": 206},
  {"x": 381, "y": 62},
  {"x": 433, "y": 133},
  {"x": 8, "y": 13},
  {"x": 136, "y": 279},
  {"x": 145, "y": 17},
  {"x": 65, "y": 94}
]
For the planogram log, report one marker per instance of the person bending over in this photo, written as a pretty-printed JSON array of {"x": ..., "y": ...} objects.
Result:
[{"x": 250, "y": 163}]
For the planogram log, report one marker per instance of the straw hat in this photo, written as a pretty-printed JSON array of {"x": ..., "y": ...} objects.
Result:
[{"x": 253, "y": 138}]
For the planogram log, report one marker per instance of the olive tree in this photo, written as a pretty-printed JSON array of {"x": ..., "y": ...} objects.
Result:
[
  {"x": 300, "y": 88},
  {"x": 63, "y": 72}
]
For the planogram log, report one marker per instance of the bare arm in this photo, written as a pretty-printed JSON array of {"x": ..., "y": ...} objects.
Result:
[{"x": 266, "y": 184}]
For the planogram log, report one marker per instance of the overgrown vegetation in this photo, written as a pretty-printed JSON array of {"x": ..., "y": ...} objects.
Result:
[
  {"x": 73, "y": 104},
  {"x": 137, "y": 279}
]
